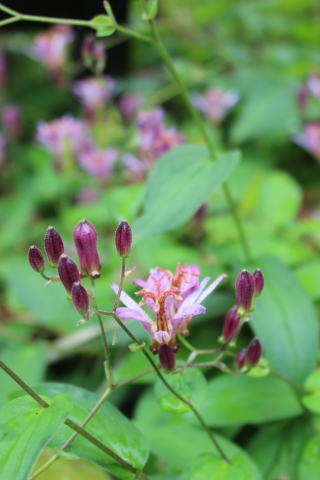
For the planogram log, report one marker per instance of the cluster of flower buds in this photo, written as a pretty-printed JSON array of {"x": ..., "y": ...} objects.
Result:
[
  {"x": 85, "y": 239},
  {"x": 248, "y": 287},
  {"x": 93, "y": 55},
  {"x": 249, "y": 356}
]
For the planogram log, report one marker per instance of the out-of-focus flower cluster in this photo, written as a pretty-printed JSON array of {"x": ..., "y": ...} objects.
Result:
[{"x": 215, "y": 103}]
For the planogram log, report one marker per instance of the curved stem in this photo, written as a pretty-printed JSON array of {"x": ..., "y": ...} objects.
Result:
[
  {"x": 108, "y": 371},
  {"x": 122, "y": 278}
]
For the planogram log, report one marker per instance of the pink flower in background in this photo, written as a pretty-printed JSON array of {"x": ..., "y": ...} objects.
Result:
[
  {"x": 313, "y": 85},
  {"x": 154, "y": 140},
  {"x": 173, "y": 300},
  {"x": 129, "y": 105},
  {"x": 93, "y": 93},
  {"x": 215, "y": 103},
  {"x": 309, "y": 139},
  {"x": 98, "y": 163},
  {"x": 50, "y": 47},
  {"x": 64, "y": 136},
  {"x": 11, "y": 121}
]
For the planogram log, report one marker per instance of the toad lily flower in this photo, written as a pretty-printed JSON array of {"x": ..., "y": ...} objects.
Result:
[{"x": 173, "y": 300}]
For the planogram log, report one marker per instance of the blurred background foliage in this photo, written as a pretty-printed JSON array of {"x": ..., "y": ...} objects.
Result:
[{"x": 265, "y": 52}]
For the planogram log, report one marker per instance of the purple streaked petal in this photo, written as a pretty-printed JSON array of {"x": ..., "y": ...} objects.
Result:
[
  {"x": 192, "y": 298},
  {"x": 211, "y": 287},
  {"x": 124, "y": 312},
  {"x": 161, "y": 337},
  {"x": 189, "y": 311},
  {"x": 140, "y": 283},
  {"x": 128, "y": 302}
]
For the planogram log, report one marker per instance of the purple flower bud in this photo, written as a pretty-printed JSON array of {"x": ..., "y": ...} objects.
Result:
[
  {"x": 167, "y": 358},
  {"x": 123, "y": 239},
  {"x": 231, "y": 323},
  {"x": 240, "y": 358},
  {"x": 258, "y": 282},
  {"x": 68, "y": 272},
  {"x": 53, "y": 245},
  {"x": 85, "y": 239},
  {"x": 80, "y": 299},
  {"x": 254, "y": 351},
  {"x": 244, "y": 289},
  {"x": 36, "y": 259}
]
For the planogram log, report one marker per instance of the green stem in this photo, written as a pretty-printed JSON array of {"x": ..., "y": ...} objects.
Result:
[
  {"x": 108, "y": 371},
  {"x": 69, "y": 422},
  {"x": 122, "y": 278},
  {"x": 9, "y": 20}
]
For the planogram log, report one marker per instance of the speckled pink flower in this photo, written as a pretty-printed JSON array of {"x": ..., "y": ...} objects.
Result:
[
  {"x": 98, "y": 163},
  {"x": 309, "y": 139},
  {"x": 50, "y": 47},
  {"x": 63, "y": 137},
  {"x": 215, "y": 103},
  {"x": 173, "y": 300},
  {"x": 93, "y": 93}
]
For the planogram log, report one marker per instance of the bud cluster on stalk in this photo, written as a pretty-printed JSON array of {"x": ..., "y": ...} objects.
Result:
[
  {"x": 248, "y": 288},
  {"x": 85, "y": 241}
]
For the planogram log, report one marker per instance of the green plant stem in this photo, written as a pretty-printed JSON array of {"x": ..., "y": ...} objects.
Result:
[
  {"x": 108, "y": 371},
  {"x": 69, "y": 422},
  {"x": 7, "y": 21},
  {"x": 122, "y": 278},
  {"x": 176, "y": 394}
]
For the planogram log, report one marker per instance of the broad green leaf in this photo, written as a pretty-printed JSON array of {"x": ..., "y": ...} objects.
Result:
[
  {"x": 232, "y": 401},
  {"x": 285, "y": 322},
  {"x": 191, "y": 385},
  {"x": 276, "y": 448},
  {"x": 103, "y": 25},
  {"x": 181, "y": 180},
  {"x": 277, "y": 209},
  {"x": 178, "y": 440},
  {"x": 68, "y": 470},
  {"x": 28, "y": 361},
  {"x": 25, "y": 429},
  {"x": 108, "y": 425},
  {"x": 309, "y": 278},
  {"x": 209, "y": 466},
  {"x": 260, "y": 370},
  {"x": 312, "y": 384},
  {"x": 309, "y": 465}
]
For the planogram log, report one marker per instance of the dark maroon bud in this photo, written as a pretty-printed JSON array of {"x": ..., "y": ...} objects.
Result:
[
  {"x": 231, "y": 323},
  {"x": 167, "y": 358},
  {"x": 258, "y": 282},
  {"x": 85, "y": 239},
  {"x": 53, "y": 245},
  {"x": 123, "y": 239},
  {"x": 80, "y": 298},
  {"x": 254, "y": 351},
  {"x": 240, "y": 358},
  {"x": 244, "y": 290},
  {"x": 36, "y": 259},
  {"x": 68, "y": 272}
]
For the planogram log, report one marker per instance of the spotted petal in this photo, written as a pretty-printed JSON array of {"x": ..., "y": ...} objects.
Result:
[
  {"x": 124, "y": 312},
  {"x": 189, "y": 311},
  {"x": 211, "y": 287}
]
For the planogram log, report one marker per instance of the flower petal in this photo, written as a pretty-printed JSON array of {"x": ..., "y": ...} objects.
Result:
[
  {"x": 128, "y": 302},
  {"x": 161, "y": 337},
  {"x": 124, "y": 312},
  {"x": 192, "y": 298},
  {"x": 189, "y": 311},
  {"x": 211, "y": 287}
]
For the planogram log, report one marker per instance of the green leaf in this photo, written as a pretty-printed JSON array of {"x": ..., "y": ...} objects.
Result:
[
  {"x": 285, "y": 322},
  {"x": 191, "y": 385},
  {"x": 260, "y": 370},
  {"x": 309, "y": 465},
  {"x": 103, "y": 25},
  {"x": 27, "y": 361},
  {"x": 181, "y": 180},
  {"x": 312, "y": 384},
  {"x": 208, "y": 466},
  {"x": 152, "y": 8},
  {"x": 108, "y": 425},
  {"x": 25, "y": 429},
  {"x": 186, "y": 442},
  {"x": 245, "y": 399},
  {"x": 309, "y": 278}
]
